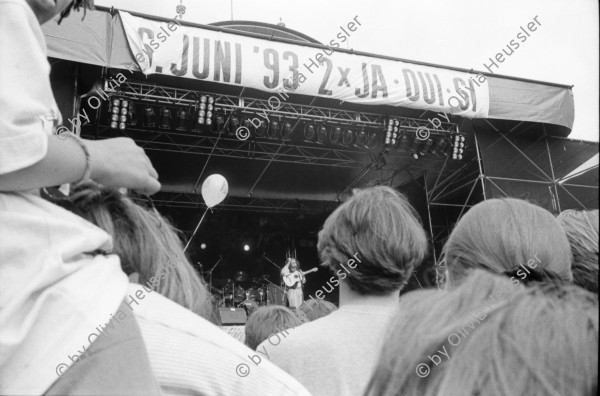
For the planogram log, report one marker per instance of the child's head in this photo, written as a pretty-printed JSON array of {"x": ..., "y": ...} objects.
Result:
[{"x": 45, "y": 10}]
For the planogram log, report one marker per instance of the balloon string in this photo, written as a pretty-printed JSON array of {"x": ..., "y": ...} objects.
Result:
[{"x": 196, "y": 230}]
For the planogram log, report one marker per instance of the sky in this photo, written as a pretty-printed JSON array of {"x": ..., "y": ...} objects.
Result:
[{"x": 460, "y": 33}]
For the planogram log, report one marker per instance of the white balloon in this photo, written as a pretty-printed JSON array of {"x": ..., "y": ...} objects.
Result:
[{"x": 214, "y": 190}]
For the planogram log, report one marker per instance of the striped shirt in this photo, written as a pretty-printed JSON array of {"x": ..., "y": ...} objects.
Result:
[{"x": 191, "y": 356}]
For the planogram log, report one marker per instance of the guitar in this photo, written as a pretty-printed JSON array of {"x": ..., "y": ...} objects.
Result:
[{"x": 290, "y": 280}]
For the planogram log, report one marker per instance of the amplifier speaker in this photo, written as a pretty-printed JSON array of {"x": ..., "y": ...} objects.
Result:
[{"x": 232, "y": 316}]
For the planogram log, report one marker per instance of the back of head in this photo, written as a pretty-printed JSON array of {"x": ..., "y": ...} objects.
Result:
[
  {"x": 499, "y": 235},
  {"x": 269, "y": 320},
  {"x": 380, "y": 228},
  {"x": 490, "y": 337},
  {"x": 581, "y": 228},
  {"x": 147, "y": 244},
  {"x": 315, "y": 309}
]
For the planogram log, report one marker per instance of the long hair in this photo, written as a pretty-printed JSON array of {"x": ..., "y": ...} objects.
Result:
[
  {"x": 491, "y": 337},
  {"x": 581, "y": 228},
  {"x": 499, "y": 235},
  {"x": 147, "y": 244}
]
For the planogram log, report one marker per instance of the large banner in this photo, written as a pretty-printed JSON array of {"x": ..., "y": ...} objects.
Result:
[{"x": 172, "y": 49}]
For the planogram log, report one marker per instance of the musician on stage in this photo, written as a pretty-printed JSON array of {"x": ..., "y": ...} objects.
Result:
[{"x": 294, "y": 276}]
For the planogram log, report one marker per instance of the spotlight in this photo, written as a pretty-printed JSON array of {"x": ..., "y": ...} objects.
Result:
[
  {"x": 182, "y": 118},
  {"x": 217, "y": 126},
  {"x": 246, "y": 248},
  {"x": 309, "y": 133},
  {"x": 391, "y": 132},
  {"x": 165, "y": 118},
  {"x": 118, "y": 110},
  {"x": 458, "y": 147},
  {"x": 414, "y": 148},
  {"x": 373, "y": 140},
  {"x": 132, "y": 115},
  {"x": 286, "y": 131},
  {"x": 273, "y": 129},
  {"x": 335, "y": 134},
  {"x": 404, "y": 142},
  {"x": 261, "y": 131},
  {"x": 440, "y": 147},
  {"x": 348, "y": 137},
  {"x": 206, "y": 110},
  {"x": 322, "y": 134},
  {"x": 149, "y": 117},
  {"x": 234, "y": 123},
  {"x": 361, "y": 139},
  {"x": 203, "y": 246},
  {"x": 426, "y": 147}
]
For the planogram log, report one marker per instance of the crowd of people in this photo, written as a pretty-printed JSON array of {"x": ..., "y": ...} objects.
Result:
[{"x": 97, "y": 295}]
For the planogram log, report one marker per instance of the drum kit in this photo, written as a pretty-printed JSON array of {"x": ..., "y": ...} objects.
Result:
[{"x": 243, "y": 292}]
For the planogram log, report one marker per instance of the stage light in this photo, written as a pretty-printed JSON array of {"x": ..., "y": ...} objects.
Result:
[
  {"x": 426, "y": 147},
  {"x": 458, "y": 147},
  {"x": 440, "y": 146},
  {"x": 273, "y": 129},
  {"x": 246, "y": 248},
  {"x": 373, "y": 141},
  {"x": 286, "y": 131},
  {"x": 132, "y": 115},
  {"x": 206, "y": 110},
  {"x": 149, "y": 117},
  {"x": 361, "y": 139},
  {"x": 404, "y": 142},
  {"x": 414, "y": 148},
  {"x": 182, "y": 118},
  {"x": 203, "y": 246},
  {"x": 219, "y": 122},
  {"x": 234, "y": 124},
  {"x": 322, "y": 135},
  {"x": 348, "y": 137},
  {"x": 391, "y": 132},
  {"x": 335, "y": 135},
  {"x": 309, "y": 133},
  {"x": 118, "y": 109},
  {"x": 165, "y": 118},
  {"x": 261, "y": 131}
]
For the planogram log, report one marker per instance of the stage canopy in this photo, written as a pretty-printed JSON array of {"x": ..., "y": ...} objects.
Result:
[{"x": 294, "y": 64}]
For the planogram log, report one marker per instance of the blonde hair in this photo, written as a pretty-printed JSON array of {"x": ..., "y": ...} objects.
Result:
[
  {"x": 498, "y": 235},
  {"x": 147, "y": 243},
  {"x": 537, "y": 340},
  {"x": 267, "y": 321},
  {"x": 581, "y": 228}
]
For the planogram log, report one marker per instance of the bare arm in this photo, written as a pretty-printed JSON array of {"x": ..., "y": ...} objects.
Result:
[{"x": 114, "y": 162}]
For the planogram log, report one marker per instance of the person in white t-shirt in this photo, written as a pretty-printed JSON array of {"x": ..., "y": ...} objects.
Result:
[
  {"x": 54, "y": 288},
  {"x": 371, "y": 243}
]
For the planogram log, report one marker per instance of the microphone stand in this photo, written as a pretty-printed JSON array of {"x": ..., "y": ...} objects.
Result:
[
  {"x": 280, "y": 288},
  {"x": 211, "y": 270}
]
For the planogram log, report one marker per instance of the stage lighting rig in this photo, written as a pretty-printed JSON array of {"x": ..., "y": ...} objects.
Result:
[
  {"x": 286, "y": 130},
  {"x": 310, "y": 133},
  {"x": 361, "y": 139},
  {"x": 165, "y": 118},
  {"x": 458, "y": 147},
  {"x": 322, "y": 135},
  {"x": 119, "y": 113}
]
